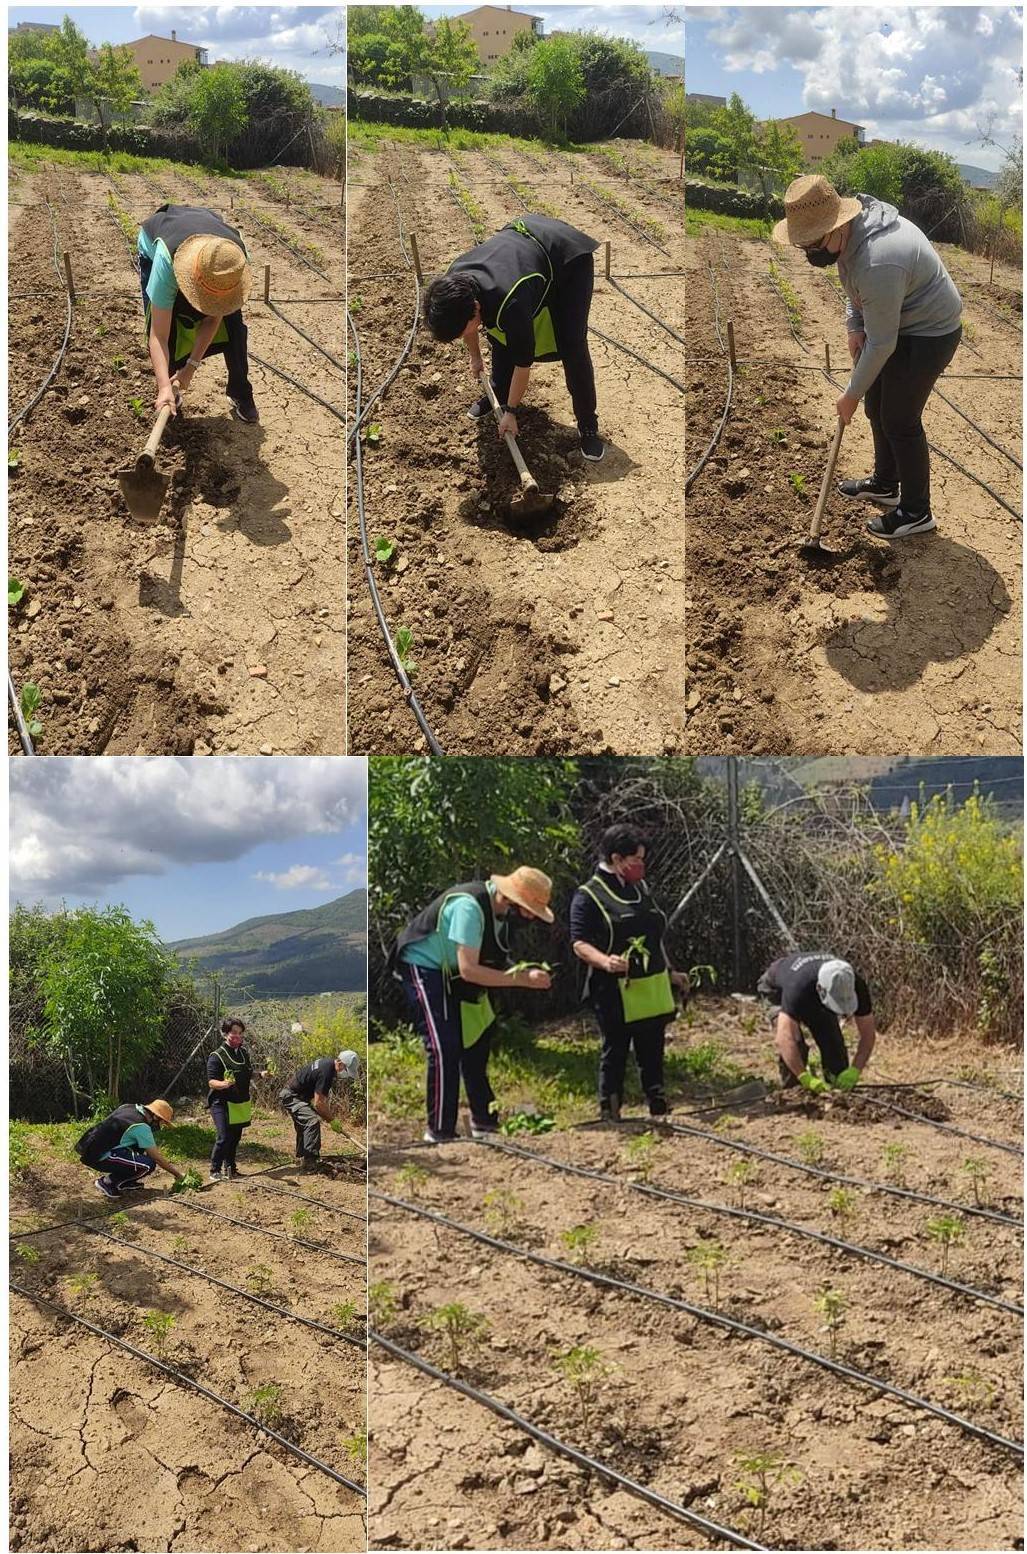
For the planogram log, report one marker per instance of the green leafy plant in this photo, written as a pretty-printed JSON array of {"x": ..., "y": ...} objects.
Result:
[
  {"x": 119, "y": 1224},
  {"x": 180, "y": 1245},
  {"x": 137, "y": 407},
  {"x": 29, "y": 701},
  {"x": 412, "y": 1179},
  {"x": 979, "y": 1172},
  {"x": 404, "y": 647},
  {"x": 462, "y": 1329},
  {"x": 948, "y": 1230},
  {"x": 302, "y": 1219},
  {"x": 972, "y": 1386},
  {"x": 742, "y": 1174},
  {"x": 638, "y": 949},
  {"x": 777, "y": 435},
  {"x": 503, "y": 1209},
  {"x": 579, "y": 1241},
  {"x": 355, "y": 304},
  {"x": 373, "y": 434},
  {"x": 842, "y": 1204},
  {"x": 13, "y": 461},
  {"x": 189, "y": 1181},
  {"x": 894, "y": 1157},
  {"x": 797, "y": 483},
  {"x": 118, "y": 363},
  {"x": 260, "y": 1280},
  {"x": 265, "y": 1404},
  {"x": 355, "y": 1447},
  {"x": 709, "y": 1258},
  {"x": 832, "y": 1306},
  {"x": 762, "y": 1473},
  {"x": 726, "y": 1124},
  {"x": 811, "y": 1147},
  {"x": 526, "y": 1122},
  {"x": 384, "y": 550},
  {"x": 27, "y": 1253},
  {"x": 641, "y": 1153},
  {"x": 15, "y": 592},
  {"x": 382, "y": 1304},
  {"x": 583, "y": 1368},
  {"x": 159, "y": 1325},
  {"x": 528, "y": 965},
  {"x": 345, "y": 1316},
  {"x": 81, "y": 1283}
]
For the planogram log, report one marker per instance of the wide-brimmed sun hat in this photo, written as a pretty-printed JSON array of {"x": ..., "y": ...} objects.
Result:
[
  {"x": 530, "y": 888},
  {"x": 160, "y": 1109},
  {"x": 813, "y": 208},
  {"x": 212, "y": 274}
]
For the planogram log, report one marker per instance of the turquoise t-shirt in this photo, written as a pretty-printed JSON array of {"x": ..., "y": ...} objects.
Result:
[
  {"x": 461, "y": 921},
  {"x": 138, "y": 1136},
  {"x": 162, "y": 287}
]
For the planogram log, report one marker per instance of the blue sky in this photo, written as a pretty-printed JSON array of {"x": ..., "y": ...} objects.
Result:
[
  {"x": 195, "y": 845},
  {"x": 934, "y": 75},
  {"x": 295, "y": 37},
  {"x": 646, "y": 24}
]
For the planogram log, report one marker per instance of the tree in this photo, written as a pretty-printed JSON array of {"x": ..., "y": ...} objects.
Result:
[
  {"x": 556, "y": 83},
  {"x": 34, "y": 82},
  {"x": 69, "y": 50},
  {"x": 447, "y": 57},
  {"x": 217, "y": 110},
  {"x": 778, "y": 156},
  {"x": 113, "y": 83}
]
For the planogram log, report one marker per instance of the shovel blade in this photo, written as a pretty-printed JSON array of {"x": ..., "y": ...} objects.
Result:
[
  {"x": 144, "y": 491},
  {"x": 529, "y": 503}
]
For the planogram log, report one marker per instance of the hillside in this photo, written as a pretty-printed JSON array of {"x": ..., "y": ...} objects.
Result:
[
  {"x": 666, "y": 64},
  {"x": 317, "y": 950},
  {"x": 891, "y": 779}
]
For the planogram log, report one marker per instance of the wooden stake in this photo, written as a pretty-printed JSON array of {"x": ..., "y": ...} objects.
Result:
[
  {"x": 267, "y": 283},
  {"x": 68, "y": 276},
  {"x": 416, "y": 254},
  {"x": 827, "y": 356},
  {"x": 607, "y": 261},
  {"x": 731, "y": 345}
]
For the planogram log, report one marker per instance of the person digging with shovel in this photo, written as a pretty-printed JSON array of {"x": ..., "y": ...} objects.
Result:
[
  {"x": 195, "y": 277},
  {"x": 903, "y": 317},
  {"x": 813, "y": 991},
  {"x": 125, "y": 1145},
  {"x": 530, "y": 288},
  {"x": 306, "y": 1101}
]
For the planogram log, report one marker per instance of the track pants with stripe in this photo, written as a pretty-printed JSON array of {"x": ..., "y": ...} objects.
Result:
[
  {"x": 436, "y": 1018},
  {"x": 124, "y": 1164}
]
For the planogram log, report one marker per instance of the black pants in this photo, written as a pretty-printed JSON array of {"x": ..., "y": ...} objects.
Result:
[
  {"x": 648, "y": 1039},
  {"x": 570, "y": 309},
  {"x": 234, "y": 351},
  {"x": 227, "y": 1140},
  {"x": 306, "y": 1123},
  {"x": 125, "y": 1164},
  {"x": 894, "y": 406},
  {"x": 826, "y": 1031},
  {"x": 436, "y": 1019}
]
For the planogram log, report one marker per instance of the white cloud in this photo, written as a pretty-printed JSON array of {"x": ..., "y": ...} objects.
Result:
[
  {"x": 354, "y": 868},
  {"x": 295, "y": 37},
  {"x": 76, "y": 826},
  {"x": 302, "y": 876}
]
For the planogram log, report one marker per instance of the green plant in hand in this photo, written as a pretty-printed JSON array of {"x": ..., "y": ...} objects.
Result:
[
  {"x": 979, "y": 1172},
  {"x": 636, "y": 949},
  {"x": 159, "y": 1325},
  {"x": 740, "y": 1175},
  {"x": 832, "y": 1306},
  {"x": 189, "y": 1181},
  {"x": 578, "y": 1241},
  {"x": 948, "y": 1230},
  {"x": 265, "y": 1404},
  {"x": 763, "y": 1472},
  {"x": 462, "y": 1329},
  {"x": 583, "y": 1368},
  {"x": 641, "y": 1153},
  {"x": 894, "y": 1157},
  {"x": 709, "y": 1257},
  {"x": 528, "y": 965}
]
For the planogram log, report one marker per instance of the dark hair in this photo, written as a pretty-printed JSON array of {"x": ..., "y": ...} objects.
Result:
[
  {"x": 230, "y": 1024},
  {"x": 449, "y": 304},
  {"x": 624, "y": 840}
]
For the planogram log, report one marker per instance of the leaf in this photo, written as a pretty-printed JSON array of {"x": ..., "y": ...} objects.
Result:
[
  {"x": 384, "y": 550},
  {"x": 15, "y": 592},
  {"x": 13, "y": 458},
  {"x": 374, "y": 433},
  {"x": 30, "y": 699}
]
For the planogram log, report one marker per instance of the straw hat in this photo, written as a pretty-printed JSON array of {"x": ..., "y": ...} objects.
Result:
[
  {"x": 530, "y": 888},
  {"x": 159, "y": 1109},
  {"x": 212, "y": 274},
  {"x": 813, "y": 208}
]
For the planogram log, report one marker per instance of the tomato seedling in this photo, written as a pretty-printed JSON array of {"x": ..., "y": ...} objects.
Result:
[
  {"x": 503, "y": 1209},
  {"x": 948, "y": 1230},
  {"x": 265, "y": 1404},
  {"x": 579, "y": 1241},
  {"x": 461, "y": 1328},
  {"x": 582, "y": 1368},
  {"x": 709, "y": 1257},
  {"x": 412, "y": 1178},
  {"x": 382, "y": 1304},
  {"x": 384, "y": 550},
  {"x": 832, "y": 1306},
  {"x": 811, "y": 1147},
  {"x": 894, "y": 1157},
  {"x": 159, "y": 1325},
  {"x": 641, "y": 1153},
  {"x": 979, "y": 1172},
  {"x": 763, "y": 1472},
  {"x": 742, "y": 1174}
]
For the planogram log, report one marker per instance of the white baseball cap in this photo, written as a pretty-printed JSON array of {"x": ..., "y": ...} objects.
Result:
[
  {"x": 350, "y": 1063},
  {"x": 836, "y": 984}
]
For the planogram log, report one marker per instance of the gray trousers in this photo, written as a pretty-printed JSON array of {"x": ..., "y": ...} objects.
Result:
[{"x": 306, "y": 1122}]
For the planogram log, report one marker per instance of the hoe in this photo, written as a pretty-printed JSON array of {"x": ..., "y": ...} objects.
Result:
[
  {"x": 814, "y": 546},
  {"x": 529, "y": 502},
  {"x": 142, "y": 487}
]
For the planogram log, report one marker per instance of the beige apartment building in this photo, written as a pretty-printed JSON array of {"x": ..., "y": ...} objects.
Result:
[
  {"x": 494, "y": 28},
  {"x": 157, "y": 59},
  {"x": 819, "y": 134}
]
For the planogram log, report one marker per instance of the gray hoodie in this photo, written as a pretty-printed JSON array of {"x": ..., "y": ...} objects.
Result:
[{"x": 895, "y": 284}]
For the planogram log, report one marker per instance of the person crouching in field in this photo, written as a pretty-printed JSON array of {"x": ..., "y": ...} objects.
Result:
[
  {"x": 812, "y": 991},
  {"x": 530, "y": 288},
  {"x": 195, "y": 277},
  {"x": 447, "y": 959},
  {"x": 124, "y": 1144},
  {"x": 229, "y": 1077},
  {"x": 306, "y": 1101},
  {"x": 903, "y": 317}
]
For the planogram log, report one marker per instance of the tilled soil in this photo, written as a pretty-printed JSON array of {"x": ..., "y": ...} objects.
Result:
[
  {"x": 566, "y": 635},
  {"x": 110, "y": 1454},
  {"x": 681, "y": 1401},
  {"x": 910, "y": 647},
  {"x": 218, "y": 629}
]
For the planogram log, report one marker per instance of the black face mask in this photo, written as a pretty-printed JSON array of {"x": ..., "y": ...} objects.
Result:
[
  {"x": 515, "y": 923},
  {"x": 820, "y": 257}
]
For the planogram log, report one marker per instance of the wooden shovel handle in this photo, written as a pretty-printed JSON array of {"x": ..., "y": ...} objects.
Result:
[
  {"x": 149, "y": 453},
  {"x": 825, "y": 484},
  {"x": 527, "y": 479}
]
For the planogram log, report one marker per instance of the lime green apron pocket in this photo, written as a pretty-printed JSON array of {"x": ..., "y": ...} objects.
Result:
[
  {"x": 185, "y": 338},
  {"x": 240, "y": 1112},
  {"x": 475, "y": 1018},
  {"x": 643, "y": 998},
  {"x": 545, "y": 334}
]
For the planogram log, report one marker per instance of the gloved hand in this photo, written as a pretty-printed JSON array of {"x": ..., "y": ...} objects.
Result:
[
  {"x": 848, "y": 1079},
  {"x": 812, "y": 1082}
]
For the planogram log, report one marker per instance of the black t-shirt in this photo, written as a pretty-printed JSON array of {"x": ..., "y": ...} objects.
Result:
[
  {"x": 793, "y": 979},
  {"x": 317, "y": 1078},
  {"x": 241, "y": 1066}
]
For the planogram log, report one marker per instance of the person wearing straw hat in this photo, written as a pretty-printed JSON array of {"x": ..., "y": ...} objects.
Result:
[
  {"x": 817, "y": 992},
  {"x": 125, "y": 1143},
  {"x": 195, "y": 276},
  {"x": 903, "y": 316},
  {"x": 306, "y": 1099},
  {"x": 617, "y": 933},
  {"x": 229, "y": 1077},
  {"x": 448, "y": 958}
]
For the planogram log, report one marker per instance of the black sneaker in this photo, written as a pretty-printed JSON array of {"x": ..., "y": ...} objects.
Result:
[
  {"x": 870, "y": 490},
  {"x": 658, "y": 1106},
  {"x": 898, "y": 525},
  {"x": 592, "y": 446},
  {"x": 481, "y": 407},
  {"x": 106, "y": 1186},
  {"x": 431, "y": 1137},
  {"x": 244, "y": 410},
  {"x": 609, "y": 1110},
  {"x": 483, "y": 1130}
]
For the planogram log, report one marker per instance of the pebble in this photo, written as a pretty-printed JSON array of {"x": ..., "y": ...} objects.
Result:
[
  {"x": 556, "y": 684},
  {"x": 266, "y": 750},
  {"x": 613, "y": 680},
  {"x": 258, "y": 671},
  {"x": 605, "y": 615}
]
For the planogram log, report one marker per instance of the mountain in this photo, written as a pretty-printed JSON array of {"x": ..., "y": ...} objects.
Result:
[
  {"x": 979, "y": 177},
  {"x": 321, "y": 949},
  {"x": 328, "y": 96},
  {"x": 666, "y": 64}
]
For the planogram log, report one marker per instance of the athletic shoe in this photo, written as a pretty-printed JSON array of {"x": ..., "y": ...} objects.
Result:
[
  {"x": 483, "y": 1130},
  {"x": 215, "y": 1176},
  {"x": 609, "y": 1110},
  {"x": 481, "y": 407},
  {"x": 244, "y": 410},
  {"x": 870, "y": 490},
  {"x": 592, "y": 446},
  {"x": 658, "y": 1107},
  {"x": 232, "y": 1173},
  {"x": 130, "y": 1187},
  {"x": 898, "y": 525},
  {"x": 431, "y": 1137},
  {"x": 106, "y": 1186}
]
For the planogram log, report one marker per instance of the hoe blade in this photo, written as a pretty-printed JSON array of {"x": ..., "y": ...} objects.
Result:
[{"x": 144, "y": 490}]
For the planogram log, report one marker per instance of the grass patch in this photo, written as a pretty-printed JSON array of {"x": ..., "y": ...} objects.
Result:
[
  {"x": 697, "y": 221},
  {"x": 32, "y": 157},
  {"x": 371, "y": 136},
  {"x": 789, "y": 296}
]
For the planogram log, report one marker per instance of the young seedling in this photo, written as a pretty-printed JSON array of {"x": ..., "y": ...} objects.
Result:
[
  {"x": 355, "y": 304},
  {"x": 404, "y": 647},
  {"x": 382, "y": 1304},
  {"x": 637, "y": 948},
  {"x": 972, "y": 1386},
  {"x": 265, "y": 1403},
  {"x": 742, "y": 1174},
  {"x": 503, "y": 1210},
  {"x": 384, "y": 550},
  {"x": 579, "y": 1241},
  {"x": 302, "y": 1219},
  {"x": 894, "y": 1157},
  {"x": 583, "y": 1368},
  {"x": 137, "y": 408},
  {"x": 777, "y": 435},
  {"x": 15, "y": 592},
  {"x": 797, "y": 483},
  {"x": 528, "y": 965},
  {"x": 260, "y": 1280},
  {"x": 81, "y": 1283},
  {"x": 180, "y": 1245},
  {"x": 763, "y": 1472},
  {"x": 842, "y": 1204},
  {"x": 948, "y": 1230},
  {"x": 29, "y": 701},
  {"x": 412, "y": 1179},
  {"x": 189, "y": 1181},
  {"x": 461, "y": 1328},
  {"x": 159, "y": 1325},
  {"x": 979, "y": 1172},
  {"x": 811, "y": 1147},
  {"x": 119, "y": 1224},
  {"x": 709, "y": 1257},
  {"x": 13, "y": 460},
  {"x": 355, "y": 1447},
  {"x": 27, "y": 1253},
  {"x": 526, "y": 1122},
  {"x": 345, "y": 1316},
  {"x": 118, "y": 363},
  {"x": 832, "y": 1306},
  {"x": 641, "y": 1153},
  {"x": 373, "y": 435}
]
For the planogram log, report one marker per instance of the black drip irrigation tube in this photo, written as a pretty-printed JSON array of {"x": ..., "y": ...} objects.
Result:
[
  {"x": 290, "y": 1193},
  {"x": 716, "y": 1318},
  {"x": 58, "y": 359},
  {"x": 756, "y": 1217},
  {"x": 234, "y": 1289},
  {"x": 836, "y": 1176},
  {"x": 335, "y": 360},
  {"x": 614, "y": 282},
  {"x": 276, "y": 1235},
  {"x": 196, "y": 1386},
  {"x": 708, "y": 451},
  {"x": 553, "y": 1443},
  {"x": 269, "y": 367},
  {"x": 945, "y": 1127}
]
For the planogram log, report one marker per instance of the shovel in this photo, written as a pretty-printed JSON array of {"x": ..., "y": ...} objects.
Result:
[
  {"x": 530, "y": 502},
  {"x": 142, "y": 487},
  {"x": 813, "y": 545}
]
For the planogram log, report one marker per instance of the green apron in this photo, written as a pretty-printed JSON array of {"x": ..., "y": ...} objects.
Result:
[{"x": 240, "y": 1113}]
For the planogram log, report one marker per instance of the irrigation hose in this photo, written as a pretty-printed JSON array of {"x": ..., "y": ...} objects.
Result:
[
  {"x": 338, "y": 414},
  {"x": 718, "y": 1319},
  {"x": 648, "y": 311},
  {"x": 756, "y": 1217},
  {"x": 835, "y": 1176},
  {"x": 562, "y": 1449},
  {"x": 187, "y": 1381},
  {"x": 708, "y": 451},
  {"x": 335, "y": 360},
  {"x": 945, "y": 1127},
  {"x": 58, "y": 359},
  {"x": 979, "y": 429},
  {"x": 365, "y": 550},
  {"x": 276, "y": 1235},
  {"x": 674, "y": 382},
  {"x": 289, "y": 1193}
]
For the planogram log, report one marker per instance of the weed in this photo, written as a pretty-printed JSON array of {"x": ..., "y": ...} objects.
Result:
[
  {"x": 27, "y": 1253},
  {"x": 972, "y": 1386},
  {"x": 265, "y": 1403},
  {"x": 345, "y": 1316},
  {"x": 526, "y": 1122},
  {"x": 979, "y": 1172},
  {"x": 119, "y": 1224},
  {"x": 797, "y": 483},
  {"x": 948, "y": 1230},
  {"x": 180, "y": 1245},
  {"x": 159, "y": 1325},
  {"x": 412, "y": 1178},
  {"x": 356, "y": 304},
  {"x": 579, "y": 1241},
  {"x": 763, "y": 1472},
  {"x": 137, "y": 407},
  {"x": 641, "y": 1153},
  {"x": 382, "y": 1304},
  {"x": 842, "y": 1204},
  {"x": 811, "y": 1147},
  {"x": 355, "y": 1447},
  {"x": 742, "y": 1174},
  {"x": 384, "y": 550},
  {"x": 583, "y": 1368},
  {"x": 461, "y": 1328},
  {"x": 894, "y": 1157},
  {"x": 777, "y": 435},
  {"x": 29, "y": 701},
  {"x": 832, "y": 1306},
  {"x": 404, "y": 647},
  {"x": 302, "y": 1219},
  {"x": 503, "y": 1209},
  {"x": 260, "y": 1280},
  {"x": 709, "y": 1257},
  {"x": 81, "y": 1283}
]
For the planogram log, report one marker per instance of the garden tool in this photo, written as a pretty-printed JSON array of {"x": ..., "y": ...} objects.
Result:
[
  {"x": 813, "y": 545},
  {"x": 142, "y": 487},
  {"x": 530, "y": 502}
]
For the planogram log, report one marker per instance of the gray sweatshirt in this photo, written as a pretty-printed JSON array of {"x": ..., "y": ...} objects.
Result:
[{"x": 895, "y": 284}]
